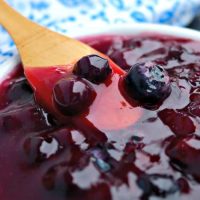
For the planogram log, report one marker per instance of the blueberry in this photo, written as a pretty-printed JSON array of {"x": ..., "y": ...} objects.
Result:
[
  {"x": 147, "y": 83},
  {"x": 100, "y": 157},
  {"x": 179, "y": 123},
  {"x": 119, "y": 57},
  {"x": 184, "y": 154},
  {"x": 59, "y": 179},
  {"x": 157, "y": 185},
  {"x": 72, "y": 95},
  {"x": 20, "y": 92},
  {"x": 39, "y": 148},
  {"x": 93, "y": 68}
]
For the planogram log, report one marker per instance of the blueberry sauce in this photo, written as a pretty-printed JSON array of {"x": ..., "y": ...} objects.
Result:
[{"x": 154, "y": 155}]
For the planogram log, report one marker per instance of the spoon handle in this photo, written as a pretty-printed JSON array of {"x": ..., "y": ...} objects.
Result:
[
  {"x": 37, "y": 45},
  {"x": 20, "y": 28}
]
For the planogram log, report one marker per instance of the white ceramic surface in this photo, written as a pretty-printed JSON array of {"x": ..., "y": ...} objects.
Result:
[{"x": 8, "y": 66}]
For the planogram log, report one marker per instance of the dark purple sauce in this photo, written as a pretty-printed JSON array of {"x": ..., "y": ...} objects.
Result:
[{"x": 159, "y": 156}]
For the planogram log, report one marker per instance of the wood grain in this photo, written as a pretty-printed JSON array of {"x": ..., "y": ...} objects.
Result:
[{"x": 37, "y": 45}]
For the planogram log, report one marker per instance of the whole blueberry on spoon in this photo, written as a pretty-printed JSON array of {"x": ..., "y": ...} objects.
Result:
[
  {"x": 147, "y": 83},
  {"x": 93, "y": 68},
  {"x": 72, "y": 95}
]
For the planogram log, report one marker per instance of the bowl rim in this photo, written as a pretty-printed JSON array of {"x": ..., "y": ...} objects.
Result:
[
  {"x": 134, "y": 29},
  {"x": 115, "y": 29}
]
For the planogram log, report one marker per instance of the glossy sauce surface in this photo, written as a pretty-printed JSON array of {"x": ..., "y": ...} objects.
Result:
[{"x": 155, "y": 157}]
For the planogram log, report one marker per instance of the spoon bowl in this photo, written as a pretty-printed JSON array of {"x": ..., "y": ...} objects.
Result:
[{"x": 48, "y": 57}]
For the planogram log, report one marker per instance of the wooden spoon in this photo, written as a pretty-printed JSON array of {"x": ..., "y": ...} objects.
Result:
[
  {"x": 37, "y": 45},
  {"x": 41, "y": 49}
]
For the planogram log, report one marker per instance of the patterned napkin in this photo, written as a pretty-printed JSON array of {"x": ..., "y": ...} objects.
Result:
[{"x": 66, "y": 15}]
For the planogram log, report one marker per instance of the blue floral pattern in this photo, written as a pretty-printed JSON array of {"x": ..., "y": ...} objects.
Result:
[{"x": 62, "y": 15}]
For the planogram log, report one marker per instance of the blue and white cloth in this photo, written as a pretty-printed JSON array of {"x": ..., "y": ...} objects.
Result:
[{"x": 66, "y": 15}]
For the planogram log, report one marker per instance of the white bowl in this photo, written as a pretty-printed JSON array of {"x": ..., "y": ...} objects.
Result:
[{"x": 134, "y": 29}]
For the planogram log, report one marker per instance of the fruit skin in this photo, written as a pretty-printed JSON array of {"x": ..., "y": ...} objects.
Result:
[
  {"x": 119, "y": 58},
  {"x": 72, "y": 95},
  {"x": 93, "y": 68},
  {"x": 184, "y": 155},
  {"x": 179, "y": 123},
  {"x": 147, "y": 83},
  {"x": 157, "y": 184}
]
